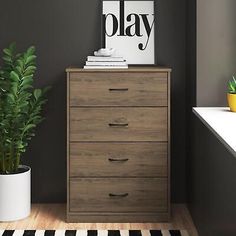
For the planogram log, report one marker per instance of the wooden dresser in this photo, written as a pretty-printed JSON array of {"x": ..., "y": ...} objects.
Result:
[{"x": 118, "y": 145}]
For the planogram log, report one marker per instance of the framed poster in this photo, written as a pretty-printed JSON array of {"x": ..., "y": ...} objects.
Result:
[{"x": 128, "y": 26}]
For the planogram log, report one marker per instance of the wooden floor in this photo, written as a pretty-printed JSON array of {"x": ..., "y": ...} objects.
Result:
[{"x": 52, "y": 216}]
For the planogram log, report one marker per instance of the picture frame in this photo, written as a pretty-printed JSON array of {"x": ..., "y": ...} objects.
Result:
[{"x": 129, "y": 27}]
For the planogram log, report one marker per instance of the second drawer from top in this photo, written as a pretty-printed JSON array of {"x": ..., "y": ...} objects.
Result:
[{"x": 119, "y": 124}]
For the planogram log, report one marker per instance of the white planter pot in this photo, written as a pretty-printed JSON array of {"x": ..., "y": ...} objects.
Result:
[{"x": 15, "y": 195}]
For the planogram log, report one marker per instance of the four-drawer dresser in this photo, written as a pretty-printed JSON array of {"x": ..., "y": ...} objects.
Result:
[{"x": 118, "y": 145}]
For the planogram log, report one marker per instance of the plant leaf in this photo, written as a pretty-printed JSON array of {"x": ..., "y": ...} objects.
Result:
[
  {"x": 7, "y": 51},
  {"x": 30, "y": 50},
  {"x": 7, "y": 59},
  {"x": 30, "y": 59},
  {"x": 37, "y": 93},
  {"x": 28, "y": 127},
  {"x": 14, "y": 76}
]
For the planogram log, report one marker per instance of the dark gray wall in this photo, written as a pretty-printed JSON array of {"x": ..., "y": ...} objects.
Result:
[
  {"x": 64, "y": 33},
  {"x": 171, "y": 51},
  {"x": 212, "y": 177},
  {"x": 191, "y": 77},
  {"x": 216, "y": 37}
]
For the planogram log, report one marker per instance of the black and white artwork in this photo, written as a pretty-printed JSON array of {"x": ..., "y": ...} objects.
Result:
[{"x": 129, "y": 28}]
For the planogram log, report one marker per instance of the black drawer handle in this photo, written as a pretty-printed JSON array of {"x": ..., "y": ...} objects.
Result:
[
  {"x": 118, "y": 160},
  {"x": 118, "y": 89},
  {"x": 118, "y": 124},
  {"x": 121, "y": 195}
]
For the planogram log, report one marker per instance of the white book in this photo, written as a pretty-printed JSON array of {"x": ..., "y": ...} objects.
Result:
[
  {"x": 106, "y": 67},
  {"x": 94, "y": 58},
  {"x": 105, "y": 63}
]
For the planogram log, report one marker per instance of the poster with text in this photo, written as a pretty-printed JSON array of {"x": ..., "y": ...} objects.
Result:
[{"x": 129, "y": 28}]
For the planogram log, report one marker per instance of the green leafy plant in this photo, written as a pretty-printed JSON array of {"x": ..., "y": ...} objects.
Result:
[
  {"x": 20, "y": 106},
  {"x": 232, "y": 86}
]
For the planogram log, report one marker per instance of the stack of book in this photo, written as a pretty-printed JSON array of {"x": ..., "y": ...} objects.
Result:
[{"x": 102, "y": 62}]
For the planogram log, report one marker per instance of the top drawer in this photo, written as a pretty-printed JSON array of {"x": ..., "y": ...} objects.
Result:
[{"x": 118, "y": 89}]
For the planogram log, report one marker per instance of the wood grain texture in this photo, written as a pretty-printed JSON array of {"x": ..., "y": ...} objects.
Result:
[
  {"x": 131, "y": 69},
  {"x": 169, "y": 142},
  {"x": 93, "y": 124},
  {"x": 118, "y": 159},
  {"x": 67, "y": 137},
  {"x": 116, "y": 89},
  {"x": 52, "y": 217},
  {"x": 103, "y": 217},
  {"x": 119, "y": 109},
  {"x": 118, "y": 195}
]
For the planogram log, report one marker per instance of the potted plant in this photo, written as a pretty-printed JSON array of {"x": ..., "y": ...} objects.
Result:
[
  {"x": 232, "y": 94},
  {"x": 20, "y": 113}
]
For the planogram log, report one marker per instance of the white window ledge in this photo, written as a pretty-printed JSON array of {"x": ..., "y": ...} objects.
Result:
[{"x": 221, "y": 122}]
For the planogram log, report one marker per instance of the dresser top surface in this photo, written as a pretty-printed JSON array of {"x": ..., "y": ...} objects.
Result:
[{"x": 130, "y": 69}]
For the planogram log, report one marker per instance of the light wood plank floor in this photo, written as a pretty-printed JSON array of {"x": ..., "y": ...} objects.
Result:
[{"x": 52, "y": 216}]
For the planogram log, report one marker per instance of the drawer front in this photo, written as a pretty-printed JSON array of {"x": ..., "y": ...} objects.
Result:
[
  {"x": 118, "y": 159},
  {"x": 118, "y": 195},
  {"x": 118, "y": 89},
  {"x": 118, "y": 124}
]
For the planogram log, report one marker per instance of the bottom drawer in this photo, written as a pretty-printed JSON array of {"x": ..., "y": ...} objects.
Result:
[{"x": 118, "y": 195}]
